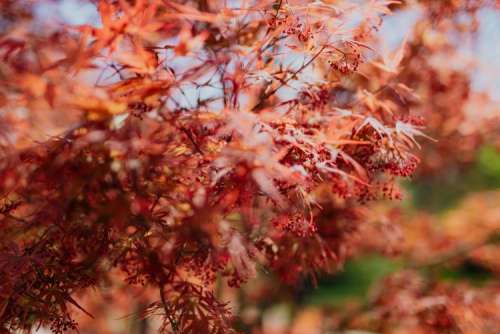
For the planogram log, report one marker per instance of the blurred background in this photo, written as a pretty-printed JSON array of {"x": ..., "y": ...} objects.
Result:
[{"x": 447, "y": 223}]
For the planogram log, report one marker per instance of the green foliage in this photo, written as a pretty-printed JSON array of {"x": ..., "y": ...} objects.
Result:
[
  {"x": 354, "y": 282},
  {"x": 438, "y": 194},
  {"x": 469, "y": 272}
]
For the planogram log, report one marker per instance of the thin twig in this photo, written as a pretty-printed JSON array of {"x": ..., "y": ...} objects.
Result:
[
  {"x": 191, "y": 139},
  {"x": 285, "y": 81},
  {"x": 168, "y": 312}
]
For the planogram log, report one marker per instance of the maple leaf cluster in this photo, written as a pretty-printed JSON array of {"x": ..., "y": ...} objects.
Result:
[{"x": 178, "y": 146}]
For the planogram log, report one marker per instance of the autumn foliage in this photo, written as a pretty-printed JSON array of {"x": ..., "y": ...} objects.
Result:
[{"x": 181, "y": 152}]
